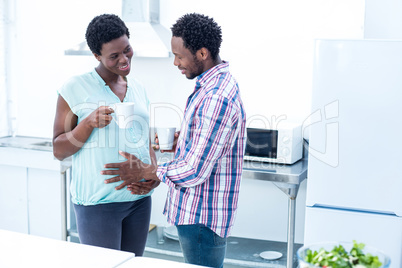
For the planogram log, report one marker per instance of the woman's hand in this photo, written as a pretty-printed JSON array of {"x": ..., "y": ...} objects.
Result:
[
  {"x": 130, "y": 171},
  {"x": 100, "y": 118},
  {"x": 142, "y": 187}
]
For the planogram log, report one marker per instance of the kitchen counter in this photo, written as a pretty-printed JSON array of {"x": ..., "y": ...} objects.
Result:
[
  {"x": 43, "y": 148},
  {"x": 22, "y": 250},
  {"x": 279, "y": 173},
  {"x": 287, "y": 178},
  {"x": 31, "y": 143}
]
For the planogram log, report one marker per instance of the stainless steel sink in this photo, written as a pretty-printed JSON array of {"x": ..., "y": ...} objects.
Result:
[
  {"x": 23, "y": 142},
  {"x": 45, "y": 143}
]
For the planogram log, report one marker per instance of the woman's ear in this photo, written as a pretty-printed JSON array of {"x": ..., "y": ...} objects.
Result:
[{"x": 97, "y": 56}]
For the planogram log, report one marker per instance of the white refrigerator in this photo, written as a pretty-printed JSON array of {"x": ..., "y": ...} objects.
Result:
[{"x": 354, "y": 182}]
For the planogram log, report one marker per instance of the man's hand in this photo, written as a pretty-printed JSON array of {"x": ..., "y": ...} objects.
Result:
[
  {"x": 156, "y": 145},
  {"x": 130, "y": 171}
]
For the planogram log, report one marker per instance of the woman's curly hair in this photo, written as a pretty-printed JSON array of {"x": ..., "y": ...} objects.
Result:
[
  {"x": 103, "y": 29},
  {"x": 198, "y": 31}
]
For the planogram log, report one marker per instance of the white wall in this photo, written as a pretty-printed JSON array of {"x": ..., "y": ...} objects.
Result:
[
  {"x": 269, "y": 45},
  {"x": 3, "y": 87},
  {"x": 383, "y": 19}
]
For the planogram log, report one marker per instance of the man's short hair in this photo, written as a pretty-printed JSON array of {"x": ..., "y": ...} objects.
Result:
[{"x": 198, "y": 31}]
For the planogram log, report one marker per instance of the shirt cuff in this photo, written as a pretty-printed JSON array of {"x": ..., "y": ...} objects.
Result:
[{"x": 161, "y": 172}]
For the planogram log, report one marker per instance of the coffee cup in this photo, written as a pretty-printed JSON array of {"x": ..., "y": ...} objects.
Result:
[
  {"x": 124, "y": 114},
  {"x": 165, "y": 137}
]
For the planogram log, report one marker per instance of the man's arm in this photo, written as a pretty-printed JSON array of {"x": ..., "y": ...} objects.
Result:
[{"x": 210, "y": 140}]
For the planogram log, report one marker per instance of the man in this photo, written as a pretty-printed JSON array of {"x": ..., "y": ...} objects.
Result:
[{"x": 204, "y": 177}]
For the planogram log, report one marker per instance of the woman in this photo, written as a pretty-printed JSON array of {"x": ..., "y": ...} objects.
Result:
[{"x": 84, "y": 128}]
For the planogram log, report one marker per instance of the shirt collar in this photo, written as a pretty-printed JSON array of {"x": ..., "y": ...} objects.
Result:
[
  {"x": 100, "y": 79},
  {"x": 206, "y": 76}
]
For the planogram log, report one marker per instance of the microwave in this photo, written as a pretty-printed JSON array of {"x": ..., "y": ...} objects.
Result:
[{"x": 282, "y": 145}]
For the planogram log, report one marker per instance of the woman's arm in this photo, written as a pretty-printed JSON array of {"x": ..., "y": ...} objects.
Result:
[{"x": 68, "y": 136}]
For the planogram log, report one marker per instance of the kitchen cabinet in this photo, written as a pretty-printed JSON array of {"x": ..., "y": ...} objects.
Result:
[
  {"x": 44, "y": 202},
  {"x": 30, "y": 188},
  {"x": 13, "y": 199}
]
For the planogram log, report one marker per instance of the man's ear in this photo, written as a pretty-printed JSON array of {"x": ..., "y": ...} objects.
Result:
[{"x": 203, "y": 53}]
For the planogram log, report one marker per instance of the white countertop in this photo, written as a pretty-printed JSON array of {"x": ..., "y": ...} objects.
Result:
[
  {"x": 151, "y": 262},
  {"x": 19, "y": 250},
  {"x": 30, "y": 152},
  {"x": 22, "y": 250}
]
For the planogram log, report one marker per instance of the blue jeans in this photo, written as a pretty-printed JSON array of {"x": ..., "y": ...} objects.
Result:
[
  {"x": 201, "y": 245},
  {"x": 122, "y": 225}
]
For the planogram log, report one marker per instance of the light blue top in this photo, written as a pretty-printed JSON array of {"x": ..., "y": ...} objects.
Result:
[{"x": 84, "y": 94}]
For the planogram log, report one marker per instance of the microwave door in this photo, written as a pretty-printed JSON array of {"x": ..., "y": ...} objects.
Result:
[{"x": 262, "y": 143}]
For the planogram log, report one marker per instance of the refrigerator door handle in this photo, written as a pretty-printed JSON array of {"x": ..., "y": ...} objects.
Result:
[{"x": 387, "y": 213}]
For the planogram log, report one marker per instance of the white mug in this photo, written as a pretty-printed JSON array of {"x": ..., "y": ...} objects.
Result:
[
  {"x": 165, "y": 137},
  {"x": 124, "y": 112}
]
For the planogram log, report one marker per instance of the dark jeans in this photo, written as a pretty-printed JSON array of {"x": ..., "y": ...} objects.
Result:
[
  {"x": 201, "y": 245},
  {"x": 121, "y": 225}
]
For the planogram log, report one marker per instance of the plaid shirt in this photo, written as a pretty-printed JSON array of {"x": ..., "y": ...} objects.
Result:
[{"x": 204, "y": 177}]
